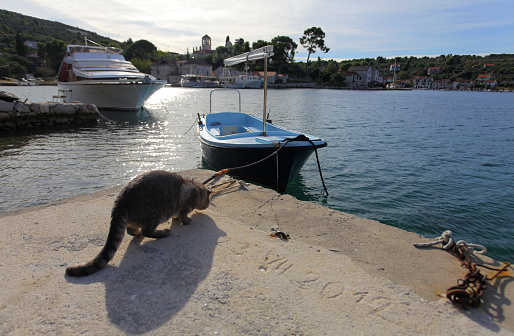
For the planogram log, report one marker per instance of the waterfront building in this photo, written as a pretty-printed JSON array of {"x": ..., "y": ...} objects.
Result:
[
  {"x": 423, "y": 82},
  {"x": 171, "y": 70},
  {"x": 272, "y": 76},
  {"x": 462, "y": 85},
  {"x": 434, "y": 71},
  {"x": 394, "y": 67},
  {"x": 366, "y": 77},
  {"x": 442, "y": 84}
]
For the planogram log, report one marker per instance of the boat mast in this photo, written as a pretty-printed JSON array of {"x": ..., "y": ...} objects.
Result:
[
  {"x": 265, "y": 94},
  {"x": 86, "y": 40},
  {"x": 394, "y": 75},
  {"x": 261, "y": 53}
]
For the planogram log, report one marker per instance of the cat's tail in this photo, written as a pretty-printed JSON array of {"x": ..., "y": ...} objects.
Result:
[{"x": 114, "y": 239}]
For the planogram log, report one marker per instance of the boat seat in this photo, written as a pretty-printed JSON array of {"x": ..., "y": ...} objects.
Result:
[
  {"x": 214, "y": 131},
  {"x": 227, "y": 130}
]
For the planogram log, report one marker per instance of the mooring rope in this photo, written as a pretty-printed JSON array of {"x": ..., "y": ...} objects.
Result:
[
  {"x": 325, "y": 190},
  {"x": 300, "y": 137},
  {"x": 471, "y": 287},
  {"x": 194, "y": 122},
  {"x": 232, "y": 184},
  {"x": 226, "y": 170}
]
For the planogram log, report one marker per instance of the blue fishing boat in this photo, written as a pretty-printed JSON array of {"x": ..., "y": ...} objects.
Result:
[{"x": 251, "y": 147}]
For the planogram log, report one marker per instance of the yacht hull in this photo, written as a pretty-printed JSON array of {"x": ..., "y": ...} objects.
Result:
[{"x": 116, "y": 95}]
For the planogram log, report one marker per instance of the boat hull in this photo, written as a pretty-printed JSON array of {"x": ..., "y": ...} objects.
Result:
[
  {"x": 290, "y": 161},
  {"x": 253, "y": 148},
  {"x": 193, "y": 81},
  {"x": 112, "y": 95},
  {"x": 253, "y": 84}
]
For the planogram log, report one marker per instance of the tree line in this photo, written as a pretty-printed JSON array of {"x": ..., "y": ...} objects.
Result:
[
  {"x": 284, "y": 49},
  {"x": 53, "y": 37}
]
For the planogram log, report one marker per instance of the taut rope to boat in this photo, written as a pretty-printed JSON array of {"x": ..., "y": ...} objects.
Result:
[{"x": 300, "y": 137}]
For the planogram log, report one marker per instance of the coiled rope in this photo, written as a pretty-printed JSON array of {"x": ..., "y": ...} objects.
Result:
[
  {"x": 224, "y": 187},
  {"x": 471, "y": 287}
]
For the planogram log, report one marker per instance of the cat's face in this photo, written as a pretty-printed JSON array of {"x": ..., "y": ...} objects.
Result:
[{"x": 203, "y": 202}]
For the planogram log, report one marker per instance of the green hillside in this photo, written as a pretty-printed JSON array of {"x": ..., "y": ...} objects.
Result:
[
  {"x": 52, "y": 37},
  {"x": 34, "y": 29},
  {"x": 453, "y": 67}
]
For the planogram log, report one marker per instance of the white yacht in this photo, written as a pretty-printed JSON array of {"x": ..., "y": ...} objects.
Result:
[{"x": 98, "y": 75}]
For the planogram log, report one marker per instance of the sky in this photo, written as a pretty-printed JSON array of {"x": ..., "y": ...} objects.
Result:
[{"x": 353, "y": 28}]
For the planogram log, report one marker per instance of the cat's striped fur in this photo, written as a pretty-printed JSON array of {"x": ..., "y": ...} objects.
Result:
[{"x": 146, "y": 201}]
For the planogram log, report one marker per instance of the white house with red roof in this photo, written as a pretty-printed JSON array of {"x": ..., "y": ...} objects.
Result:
[
  {"x": 483, "y": 77},
  {"x": 272, "y": 76},
  {"x": 434, "y": 71},
  {"x": 442, "y": 84},
  {"x": 422, "y": 82},
  {"x": 486, "y": 80}
]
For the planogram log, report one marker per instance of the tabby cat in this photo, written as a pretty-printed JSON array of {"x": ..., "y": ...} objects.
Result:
[{"x": 143, "y": 203}]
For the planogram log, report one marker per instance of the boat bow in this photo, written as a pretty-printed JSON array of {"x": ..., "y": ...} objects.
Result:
[{"x": 251, "y": 147}]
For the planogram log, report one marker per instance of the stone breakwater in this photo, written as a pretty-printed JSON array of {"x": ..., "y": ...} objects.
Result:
[{"x": 18, "y": 115}]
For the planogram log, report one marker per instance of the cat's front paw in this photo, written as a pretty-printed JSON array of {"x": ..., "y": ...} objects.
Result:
[
  {"x": 185, "y": 220},
  {"x": 157, "y": 233},
  {"x": 165, "y": 232}
]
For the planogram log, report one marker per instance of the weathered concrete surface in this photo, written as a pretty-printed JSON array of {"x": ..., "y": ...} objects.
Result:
[{"x": 224, "y": 275}]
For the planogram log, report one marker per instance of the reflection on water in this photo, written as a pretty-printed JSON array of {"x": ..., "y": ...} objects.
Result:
[
  {"x": 127, "y": 117},
  {"x": 424, "y": 161},
  {"x": 49, "y": 164}
]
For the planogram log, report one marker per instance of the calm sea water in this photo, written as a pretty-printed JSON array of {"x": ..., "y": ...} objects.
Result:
[{"x": 424, "y": 161}]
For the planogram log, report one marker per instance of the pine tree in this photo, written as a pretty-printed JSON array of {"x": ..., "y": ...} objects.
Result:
[{"x": 21, "y": 49}]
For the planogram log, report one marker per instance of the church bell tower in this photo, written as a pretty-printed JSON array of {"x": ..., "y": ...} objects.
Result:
[{"x": 206, "y": 43}]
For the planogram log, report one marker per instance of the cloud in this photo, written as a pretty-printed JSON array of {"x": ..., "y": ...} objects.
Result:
[{"x": 354, "y": 29}]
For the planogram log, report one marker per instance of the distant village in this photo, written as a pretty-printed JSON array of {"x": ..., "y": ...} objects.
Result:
[
  {"x": 429, "y": 83},
  {"x": 172, "y": 67},
  {"x": 172, "y": 70},
  {"x": 357, "y": 77}
]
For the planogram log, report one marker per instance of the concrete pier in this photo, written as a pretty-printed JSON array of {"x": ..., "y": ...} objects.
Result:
[
  {"x": 19, "y": 115},
  {"x": 225, "y": 275}
]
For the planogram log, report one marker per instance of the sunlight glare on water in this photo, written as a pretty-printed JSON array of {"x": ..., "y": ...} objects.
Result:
[{"x": 424, "y": 161}]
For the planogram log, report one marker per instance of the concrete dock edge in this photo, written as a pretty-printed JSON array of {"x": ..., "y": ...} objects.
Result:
[{"x": 225, "y": 275}]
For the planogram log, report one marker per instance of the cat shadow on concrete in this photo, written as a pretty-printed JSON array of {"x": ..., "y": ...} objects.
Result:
[{"x": 156, "y": 278}]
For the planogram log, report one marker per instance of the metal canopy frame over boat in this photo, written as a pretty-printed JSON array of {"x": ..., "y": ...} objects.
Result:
[
  {"x": 253, "y": 55},
  {"x": 236, "y": 142},
  {"x": 257, "y": 54},
  {"x": 235, "y": 90}
]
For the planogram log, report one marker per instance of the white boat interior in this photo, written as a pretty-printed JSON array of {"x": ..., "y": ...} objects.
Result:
[{"x": 235, "y": 129}]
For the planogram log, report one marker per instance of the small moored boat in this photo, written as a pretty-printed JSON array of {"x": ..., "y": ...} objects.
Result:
[
  {"x": 245, "y": 80},
  {"x": 197, "y": 81},
  {"x": 251, "y": 147}
]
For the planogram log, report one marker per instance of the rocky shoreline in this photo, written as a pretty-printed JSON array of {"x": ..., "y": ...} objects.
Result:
[{"x": 19, "y": 115}]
